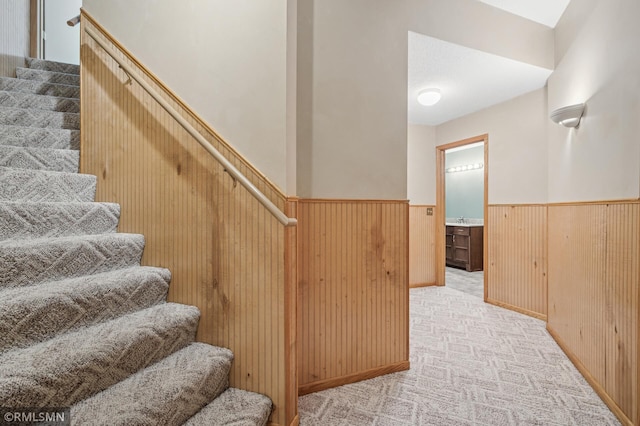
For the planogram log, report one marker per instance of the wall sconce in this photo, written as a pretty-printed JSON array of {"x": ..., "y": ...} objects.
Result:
[
  {"x": 568, "y": 116},
  {"x": 465, "y": 168}
]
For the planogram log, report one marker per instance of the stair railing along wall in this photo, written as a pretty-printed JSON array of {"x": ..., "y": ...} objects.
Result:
[{"x": 227, "y": 253}]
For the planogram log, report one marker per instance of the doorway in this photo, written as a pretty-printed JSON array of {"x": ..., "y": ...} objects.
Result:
[
  {"x": 446, "y": 246},
  {"x": 52, "y": 38}
]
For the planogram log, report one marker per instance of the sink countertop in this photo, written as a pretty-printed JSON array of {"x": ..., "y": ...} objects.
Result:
[{"x": 466, "y": 225}]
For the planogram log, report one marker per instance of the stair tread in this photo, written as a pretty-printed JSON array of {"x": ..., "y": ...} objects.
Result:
[
  {"x": 23, "y": 220},
  {"x": 57, "y": 160},
  {"x": 39, "y": 87},
  {"x": 29, "y": 100},
  {"x": 234, "y": 407},
  {"x": 45, "y": 374},
  {"x": 165, "y": 393},
  {"x": 39, "y": 137},
  {"x": 48, "y": 65},
  {"x": 82, "y": 324},
  {"x": 30, "y": 117},
  {"x": 48, "y": 76},
  {"x": 28, "y": 317},
  {"x": 39, "y": 260},
  {"x": 42, "y": 185}
]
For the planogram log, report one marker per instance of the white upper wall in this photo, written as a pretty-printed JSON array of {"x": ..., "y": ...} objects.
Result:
[
  {"x": 226, "y": 59},
  {"x": 600, "y": 66},
  {"x": 517, "y": 147},
  {"x": 421, "y": 160}
]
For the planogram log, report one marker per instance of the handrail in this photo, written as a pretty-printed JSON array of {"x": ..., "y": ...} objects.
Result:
[
  {"x": 73, "y": 21},
  {"x": 229, "y": 168}
]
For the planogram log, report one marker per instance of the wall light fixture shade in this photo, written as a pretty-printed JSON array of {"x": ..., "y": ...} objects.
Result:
[
  {"x": 568, "y": 116},
  {"x": 428, "y": 97}
]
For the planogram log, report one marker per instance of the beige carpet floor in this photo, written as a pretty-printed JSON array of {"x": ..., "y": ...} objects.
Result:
[
  {"x": 467, "y": 282},
  {"x": 471, "y": 364}
]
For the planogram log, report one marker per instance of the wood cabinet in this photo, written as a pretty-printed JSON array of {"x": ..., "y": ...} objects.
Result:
[{"x": 464, "y": 247}]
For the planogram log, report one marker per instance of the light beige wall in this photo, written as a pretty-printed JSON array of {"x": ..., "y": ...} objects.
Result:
[
  {"x": 517, "y": 146},
  {"x": 14, "y": 35},
  {"x": 226, "y": 59},
  {"x": 353, "y": 115},
  {"x": 355, "y": 109},
  {"x": 601, "y": 159},
  {"x": 421, "y": 160},
  {"x": 292, "y": 96},
  {"x": 479, "y": 26}
]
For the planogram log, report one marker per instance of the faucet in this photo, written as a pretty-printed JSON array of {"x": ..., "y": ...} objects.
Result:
[{"x": 461, "y": 219}]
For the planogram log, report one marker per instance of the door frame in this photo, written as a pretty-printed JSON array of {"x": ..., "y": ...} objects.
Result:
[
  {"x": 440, "y": 206},
  {"x": 36, "y": 20}
]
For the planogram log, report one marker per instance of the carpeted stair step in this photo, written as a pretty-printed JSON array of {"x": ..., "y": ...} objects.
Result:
[
  {"x": 48, "y": 76},
  {"x": 70, "y": 367},
  {"x": 28, "y": 317},
  {"x": 42, "y": 64},
  {"x": 234, "y": 407},
  {"x": 29, "y": 100},
  {"x": 38, "y": 137},
  {"x": 55, "y": 160},
  {"x": 25, "y": 220},
  {"x": 39, "y": 118},
  {"x": 42, "y": 186},
  {"x": 28, "y": 262},
  {"x": 39, "y": 87},
  {"x": 166, "y": 393}
]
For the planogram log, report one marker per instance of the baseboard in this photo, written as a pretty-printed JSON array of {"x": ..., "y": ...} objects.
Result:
[
  {"x": 420, "y": 285},
  {"x": 352, "y": 378},
  {"x": 527, "y": 312},
  {"x": 590, "y": 379}
]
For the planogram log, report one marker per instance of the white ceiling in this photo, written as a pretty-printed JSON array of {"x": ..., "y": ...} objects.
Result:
[
  {"x": 469, "y": 79},
  {"x": 545, "y": 12}
]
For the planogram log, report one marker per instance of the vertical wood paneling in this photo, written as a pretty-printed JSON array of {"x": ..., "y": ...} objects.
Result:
[
  {"x": 594, "y": 274},
  {"x": 291, "y": 312},
  {"x": 422, "y": 246},
  {"x": 517, "y": 258},
  {"x": 226, "y": 253},
  {"x": 15, "y": 24},
  {"x": 353, "y": 291}
]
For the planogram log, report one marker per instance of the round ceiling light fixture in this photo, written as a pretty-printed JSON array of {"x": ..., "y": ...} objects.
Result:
[{"x": 428, "y": 97}]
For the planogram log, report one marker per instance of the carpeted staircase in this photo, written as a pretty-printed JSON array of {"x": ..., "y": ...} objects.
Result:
[{"x": 82, "y": 324}]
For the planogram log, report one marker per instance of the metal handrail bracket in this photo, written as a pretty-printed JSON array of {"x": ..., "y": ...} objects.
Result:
[
  {"x": 73, "y": 21},
  {"x": 229, "y": 168}
]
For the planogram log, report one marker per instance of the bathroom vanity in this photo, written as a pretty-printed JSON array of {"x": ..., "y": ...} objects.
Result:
[{"x": 464, "y": 246}]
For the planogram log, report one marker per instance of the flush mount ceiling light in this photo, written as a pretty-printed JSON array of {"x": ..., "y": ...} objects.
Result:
[
  {"x": 568, "y": 116},
  {"x": 428, "y": 97}
]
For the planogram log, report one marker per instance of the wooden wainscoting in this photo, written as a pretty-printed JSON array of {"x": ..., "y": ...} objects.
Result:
[
  {"x": 15, "y": 24},
  {"x": 226, "y": 253},
  {"x": 517, "y": 258},
  {"x": 422, "y": 246},
  {"x": 353, "y": 306},
  {"x": 594, "y": 274}
]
